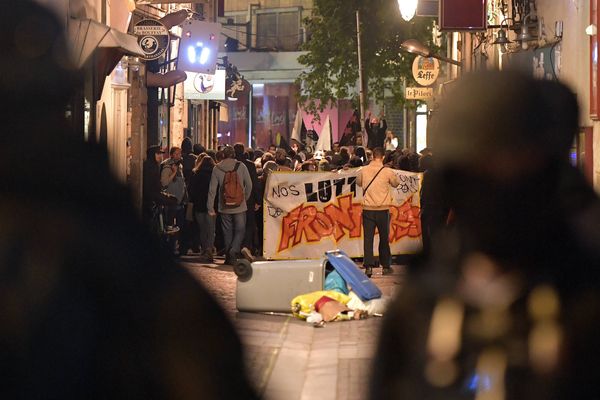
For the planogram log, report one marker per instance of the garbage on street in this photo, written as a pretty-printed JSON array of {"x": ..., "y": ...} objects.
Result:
[{"x": 329, "y": 289}]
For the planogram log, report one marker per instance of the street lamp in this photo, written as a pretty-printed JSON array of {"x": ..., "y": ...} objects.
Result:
[
  {"x": 408, "y": 8},
  {"x": 415, "y": 47}
]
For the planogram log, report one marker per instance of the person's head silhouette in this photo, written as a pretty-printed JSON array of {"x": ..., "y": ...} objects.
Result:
[
  {"x": 501, "y": 139},
  {"x": 91, "y": 305}
]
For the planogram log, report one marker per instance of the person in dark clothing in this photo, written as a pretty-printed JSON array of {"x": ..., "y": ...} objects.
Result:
[
  {"x": 355, "y": 162},
  {"x": 404, "y": 162},
  {"x": 198, "y": 149},
  {"x": 376, "y": 129},
  {"x": 507, "y": 302},
  {"x": 92, "y": 306},
  {"x": 188, "y": 159},
  {"x": 413, "y": 162},
  {"x": 199, "y": 184},
  {"x": 173, "y": 182},
  {"x": 352, "y": 130},
  {"x": 189, "y": 236},
  {"x": 360, "y": 153},
  {"x": 151, "y": 181},
  {"x": 253, "y": 203},
  {"x": 434, "y": 213}
]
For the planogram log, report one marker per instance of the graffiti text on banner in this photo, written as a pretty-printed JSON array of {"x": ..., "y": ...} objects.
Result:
[{"x": 308, "y": 213}]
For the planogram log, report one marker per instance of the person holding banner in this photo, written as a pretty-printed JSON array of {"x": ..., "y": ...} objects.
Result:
[{"x": 376, "y": 181}]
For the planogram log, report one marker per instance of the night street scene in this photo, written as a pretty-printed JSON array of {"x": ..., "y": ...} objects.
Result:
[{"x": 300, "y": 199}]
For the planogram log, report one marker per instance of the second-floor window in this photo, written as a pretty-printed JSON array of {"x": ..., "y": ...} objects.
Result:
[{"x": 278, "y": 30}]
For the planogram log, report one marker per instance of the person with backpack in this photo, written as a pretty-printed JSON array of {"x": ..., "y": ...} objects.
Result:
[{"x": 231, "y": 180}]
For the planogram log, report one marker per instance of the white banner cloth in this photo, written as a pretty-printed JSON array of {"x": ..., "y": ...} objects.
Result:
[{"x": 308, "y": 213}]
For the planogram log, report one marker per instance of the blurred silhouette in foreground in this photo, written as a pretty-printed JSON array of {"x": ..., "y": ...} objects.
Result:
[
  {"x": 506, "y": 305},
  {"x": 91, "y": 307}
]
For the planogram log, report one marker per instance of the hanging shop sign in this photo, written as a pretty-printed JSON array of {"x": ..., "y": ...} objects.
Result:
[
  {"x": 425, "y": 70},
  {"x": 200, "y": 86},
  {"x": 418, "y": 93},
  {"x": 153, "y": 38}
]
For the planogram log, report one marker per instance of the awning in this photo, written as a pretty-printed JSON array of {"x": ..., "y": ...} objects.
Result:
[
  {"x": 124, "y": 41},
  {"x": 84, "y": 37},
  {"x": 87, "y": 35}
]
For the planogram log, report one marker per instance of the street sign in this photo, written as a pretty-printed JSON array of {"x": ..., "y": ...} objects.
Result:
[
  {"x": 153, "y": 38},
  {"x": 418, "y": 93},
  {"x": 425, "y": 70}
]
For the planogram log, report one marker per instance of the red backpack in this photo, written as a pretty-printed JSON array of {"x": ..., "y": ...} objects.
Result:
[{"x": 233, "y": 193}]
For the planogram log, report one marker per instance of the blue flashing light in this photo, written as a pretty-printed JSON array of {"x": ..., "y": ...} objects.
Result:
[
  {"x": 204, "y": 55},
  {"x": 191, "y": 54},
  {"x": 477, "y": 382},
  {"x": 573, "y": 157}
]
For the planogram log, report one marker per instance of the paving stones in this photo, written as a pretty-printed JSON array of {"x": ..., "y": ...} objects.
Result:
[{"x": 288, "y": 358}]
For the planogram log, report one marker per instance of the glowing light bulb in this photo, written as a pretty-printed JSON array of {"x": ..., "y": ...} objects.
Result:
[{"x": 408, "y": 8}]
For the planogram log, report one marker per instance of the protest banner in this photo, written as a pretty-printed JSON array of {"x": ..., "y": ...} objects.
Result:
[{"x": 308, "y": 213}]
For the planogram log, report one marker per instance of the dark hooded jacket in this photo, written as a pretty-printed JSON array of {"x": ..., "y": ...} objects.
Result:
[
  {"x": 188, "y": 158},
  {"x": 151, "y": 183},
  {"x": 92, "y": 305}
]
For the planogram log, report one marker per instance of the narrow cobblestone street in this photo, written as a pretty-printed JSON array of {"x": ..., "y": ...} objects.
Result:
[{"x": 289, "y": 359}]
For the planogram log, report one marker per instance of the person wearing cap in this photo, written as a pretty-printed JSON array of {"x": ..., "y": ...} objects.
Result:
[
  {"x": 506, "y": 304},
  {"x": 151, "y": 180}
]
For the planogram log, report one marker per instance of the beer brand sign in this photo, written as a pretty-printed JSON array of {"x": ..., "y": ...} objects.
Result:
[
  {"x": 308, "y": 213},
  {"x": 425, "y": 70}
]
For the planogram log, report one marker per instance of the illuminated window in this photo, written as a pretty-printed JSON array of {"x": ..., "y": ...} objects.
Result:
[{"x": 421, "y": 126}]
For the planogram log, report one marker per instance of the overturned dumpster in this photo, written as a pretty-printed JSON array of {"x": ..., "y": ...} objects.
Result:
[{"x": 270, "y": 286}]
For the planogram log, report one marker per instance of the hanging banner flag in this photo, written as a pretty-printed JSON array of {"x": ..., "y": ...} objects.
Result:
[
  {"x": 308, "y": 213},
  {"x": 298, "y": 126},
  {"x": 325, "y": 142}
]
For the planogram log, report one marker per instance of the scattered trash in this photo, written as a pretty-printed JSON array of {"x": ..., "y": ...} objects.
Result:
[
  {"x": 314, "y": 317},
  {"x": 360, "y": 283},
  {"x": 329, "y": 306},
  {"x": 334, "y": 281},
  {"x": 375, "y": 306},
  {"x": 304, "y": 304},
  {"x": 264, "y": 286},
  {"x": 320, "y": 324}
]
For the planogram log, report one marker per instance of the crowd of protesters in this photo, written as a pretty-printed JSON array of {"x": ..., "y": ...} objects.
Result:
[{"x": 208, "y": 232}]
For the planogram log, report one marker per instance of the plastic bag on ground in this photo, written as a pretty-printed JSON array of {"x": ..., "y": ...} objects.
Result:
[
  {"x": 375, "y": 306},
  {"x": 305, "y": 303},
  {"x": 334, "y": 281}
]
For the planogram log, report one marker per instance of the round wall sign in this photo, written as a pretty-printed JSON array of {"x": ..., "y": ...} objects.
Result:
[
  {"x": 425, "y": 70},
  {"x": 204, "y": 83},
  {"x": 153, "y": 38}
]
